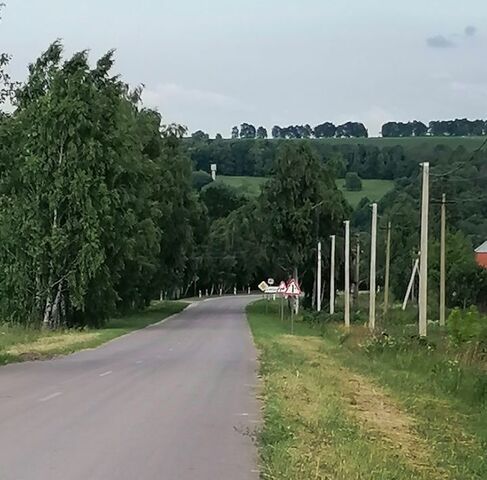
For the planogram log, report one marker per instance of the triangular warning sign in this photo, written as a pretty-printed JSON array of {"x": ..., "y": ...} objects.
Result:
[{"x": 293, "y": 289}]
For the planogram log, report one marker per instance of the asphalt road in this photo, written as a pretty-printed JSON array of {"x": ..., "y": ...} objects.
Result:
[{"x": 176, "y": 401}]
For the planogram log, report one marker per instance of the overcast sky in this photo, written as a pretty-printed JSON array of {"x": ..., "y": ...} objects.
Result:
[{"x": 213, "y": 64}]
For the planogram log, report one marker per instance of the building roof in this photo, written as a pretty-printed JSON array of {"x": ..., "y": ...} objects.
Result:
[{"x": 482, "y": 248}]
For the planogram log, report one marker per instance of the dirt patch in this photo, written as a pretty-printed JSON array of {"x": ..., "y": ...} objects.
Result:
[{"x": 371, "y": 406}]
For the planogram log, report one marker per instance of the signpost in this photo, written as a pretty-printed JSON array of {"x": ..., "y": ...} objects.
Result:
[
  {"x": 281, "y": 290},
  {"x": 271, "y": 281},
  {"x": 293, "y": 290},
  {"x": 263, "y": 286}
]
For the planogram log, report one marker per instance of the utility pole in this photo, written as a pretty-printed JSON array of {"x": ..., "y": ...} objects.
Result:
[
  {"x": 373, "y": 265},
  {"x": 423, "y": 269},
  {"x": 347, "y": 274},
  {"x": 332, "y": 276},
  {"x": 357, "y": 269},
  {"x": 443, "y": 263},
  {"x": 388, "y": 269},
  {"x": 318, "y": 280}
]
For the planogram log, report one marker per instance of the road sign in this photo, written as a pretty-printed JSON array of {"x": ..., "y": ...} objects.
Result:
[
  {"x": 293, "y": 289},
  {"x": 271, "y": 290},
  {"x": 270, "y": 281},
  {"x": 263, "y": 286},
  {"x": 282, "y": 288}
]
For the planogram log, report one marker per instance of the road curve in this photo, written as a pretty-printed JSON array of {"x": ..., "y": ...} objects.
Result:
[{"x": 176, "y": 401}]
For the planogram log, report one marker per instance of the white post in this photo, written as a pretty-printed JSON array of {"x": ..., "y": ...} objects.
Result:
[
  {"x": 200, "y": 294},
  {"x": 248, "y": 290},
  {"x": 388, "y": 269},
  {"x": 318, "y": 280},
  {"x": 347, "y": 274},
  {"x": 332, "y": 276},
  {"x": 373, "y": 265},
  {"x": 443, "y": 263},
  {"x": 213, "y": 171},
  {"x": 235, "y": 290},
  {"x": 423, "y": 269}
]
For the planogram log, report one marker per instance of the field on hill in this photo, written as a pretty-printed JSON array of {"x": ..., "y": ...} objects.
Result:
[{"x": 374, "y": 190}]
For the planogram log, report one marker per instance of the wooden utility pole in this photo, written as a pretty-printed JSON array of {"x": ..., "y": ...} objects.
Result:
[
  {"x": 332, "y": 276},
  {"x": 388, "y": 269},
  {"x": 347, "y": 274},
  {"x": 357, "y": 269},
  {"x": 373, "y": 265},
  {"x": 423, "y": 269},
  {"x": 318, "y": 280},
  {"x": 443, "y": 263}
]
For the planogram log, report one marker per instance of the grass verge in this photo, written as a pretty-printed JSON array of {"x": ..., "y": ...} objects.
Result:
[
  {"x": 337, "y": 409},
  {"x": 19, "y": 344}
]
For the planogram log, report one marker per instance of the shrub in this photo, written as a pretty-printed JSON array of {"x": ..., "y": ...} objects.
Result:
[
  {"x": 467, "y": 326},
  {"x": 353, "y": 183}
]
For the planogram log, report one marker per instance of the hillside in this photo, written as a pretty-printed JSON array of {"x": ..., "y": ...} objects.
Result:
[{"x": 374, "y": 190}]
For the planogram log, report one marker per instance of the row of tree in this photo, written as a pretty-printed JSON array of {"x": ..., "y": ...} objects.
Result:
[
  {"x": 448, "y": 128},
  {"x": 324, "y": 130},
  {"x": 97, "y": 210},
  {"x": 438, "y": 128},
  {"x": 257, "y": 157}
]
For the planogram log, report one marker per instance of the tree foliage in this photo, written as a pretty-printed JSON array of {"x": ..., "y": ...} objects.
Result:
[{"x": 95, "y": 201}]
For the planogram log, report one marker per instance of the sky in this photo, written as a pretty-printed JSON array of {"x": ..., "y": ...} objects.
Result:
[{"x": 210, "y": 65}]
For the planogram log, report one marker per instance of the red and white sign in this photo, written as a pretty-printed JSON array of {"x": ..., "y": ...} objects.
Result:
[
  {"x": 293, "y": 289},
  {"x": 282, "y": 288}
]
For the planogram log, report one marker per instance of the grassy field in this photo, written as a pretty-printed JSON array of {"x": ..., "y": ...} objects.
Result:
[
  {"x": 20, "y": 344},
  {"x": 338, "y": 406},
  {"x": 374, "y": 190}
]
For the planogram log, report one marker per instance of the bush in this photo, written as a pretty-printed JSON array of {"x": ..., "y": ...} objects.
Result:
[
  {"x": 200, "y": 179},
  {"x": 353, "y": 183},
  {"x": 467, "y": 326}
]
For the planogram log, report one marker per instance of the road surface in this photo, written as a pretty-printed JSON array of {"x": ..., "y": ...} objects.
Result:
[{"x": 176, "y": 401}]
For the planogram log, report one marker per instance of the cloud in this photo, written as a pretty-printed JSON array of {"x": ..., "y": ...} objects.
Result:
[
  {"x": 449, "y": 41},
  {"x": 439, "y": 41}
]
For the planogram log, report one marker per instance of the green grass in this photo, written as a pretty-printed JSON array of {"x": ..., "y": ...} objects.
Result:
[
  {"x": 250, "y": 186},
  {"x": 374, "y": 190},
  {"x": 19, "y": 344},
  {"x": 337, "y": 410}
]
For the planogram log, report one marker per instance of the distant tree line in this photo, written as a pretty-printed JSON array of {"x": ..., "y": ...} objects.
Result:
[
  {"x": 324, "y": 130},
  {"x": 256, "y": 157},
  {"x": 439, "y": 128}
]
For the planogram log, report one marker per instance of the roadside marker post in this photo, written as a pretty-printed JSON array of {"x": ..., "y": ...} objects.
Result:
[
  {"x": 293, "y": 290},
  {"x": 282, "y": 292}
]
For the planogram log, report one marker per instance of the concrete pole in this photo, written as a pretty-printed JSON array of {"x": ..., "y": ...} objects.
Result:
[
  {"x": 423, "y": 269},
  {"x": 332, "y": 276},
  {"x": 347, "y": 274},
  {"x": 357, "y": 270},
  {"x": 373, "y": 265},
  {"x": 411, "y": 283},
  {"x": 388, "y": 269},
  {"x": 318, "y": 280},
  {"x": 443, "y": 263}
]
